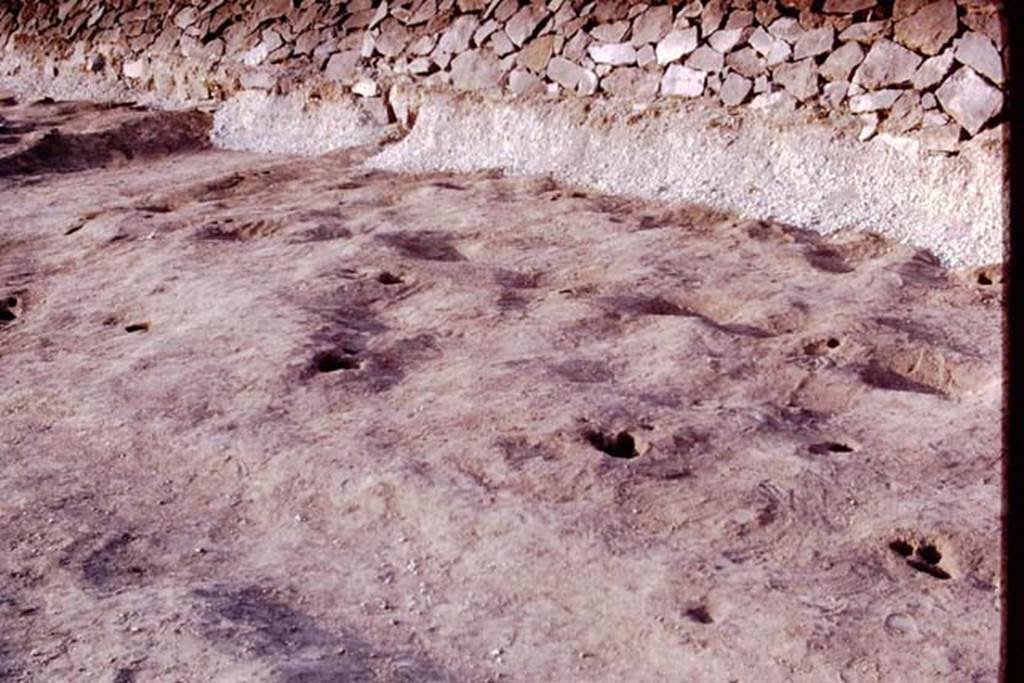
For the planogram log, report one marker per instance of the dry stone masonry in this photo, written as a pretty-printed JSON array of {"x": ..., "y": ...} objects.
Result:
[{"x": 929, "y": 70}]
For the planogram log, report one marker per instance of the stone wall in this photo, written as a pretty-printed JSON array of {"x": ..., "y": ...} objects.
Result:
[{"x": 930, "y": 71}]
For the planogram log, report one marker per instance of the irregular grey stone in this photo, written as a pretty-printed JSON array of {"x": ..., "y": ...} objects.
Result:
[
  {"x": 928, "y": 29},
  {"x": 984, "y": 20},
  {"x": 746, "y": 62},
  {"x": 588, "y": 83},
  {"x": 735, "y": 89},
  {"x": 485, "y": 31},
  {"x": 631, "y": 82},
  {"x": 645, "y": 55},
  {"x": 933, "y": 70},
  {"x": 813, "y": 43},
  {"x": 476, "y": 70},
  {"x": 676, "y": 44},
  {"x": 711, "y": 17},
  {"x": 705, "y": 59},
  {"x": 886, "y": 64},
  {"x": 365, "y": 87},
  {"x": 456, "y": 38},
  {"x": 725, "y": 40},
  {"x": 536, "y": 54},
  {"x": 577, "y": 46},
  {"x": 787, "y": 28},
  {"x": 523, "y": 23},
  {"x": 865, "y": 32},
  {"x": 977, "y": 51},
  {"x": 969, "y": 99},
  {"x": 869, "y": 126},
  {"x": 841, "y": 63},
  {"x": 681, "y": 81},
  {"x": 928, "y": 101},
  {"x": 940, "y": 138},
  {"x": 522, "y": 82},
  {"x": 873, "y": 101},
  {"x": 904, "y": 8},
  {"x": 906, "y": 114},
  {"x": 342, "y": 66},
  {"x": 847, "y": 6},
  {"x": 774, "y": 50},
  {"x": 935, "y": 118},
  {"x": 616, "y": 54},
  {"x": 652, "y": 25},
  {"x": 501, "y": 44},
  {"x": 567, "y": 74},
  {"x": 834, "y": 93},
  {"x": 739, "y": 19},
  {"x": 610, "y": 33},
  {"x": 800, "y": 79}
]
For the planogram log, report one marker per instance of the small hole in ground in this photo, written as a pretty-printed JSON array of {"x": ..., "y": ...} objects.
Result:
[
  {"x": 621, "y": 445},
  {"x": 829, "y": 447},
  {"x": 7, "y": 315},
  {"x": 832, "y": 343},
  {"x": 929, "y": 569},
  {"x": 984, "y": 280},
  {"x": 901, "y": 548},
  {"x": 137, "y": 327},
  {"x": 387, "y": 278},
  {"x": 929, "y": 553},
  {"x": 700, "y": 614},
  {"x": 332, "y": 361}
]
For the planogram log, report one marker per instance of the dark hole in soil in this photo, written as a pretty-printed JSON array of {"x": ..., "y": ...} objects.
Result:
[
  {"x": 984, "y": 280},
  {"x": 137, "y": 327},
  {"x": 929, "y": 553},
  {"x": 901, "y": 548},
  {"x": 829, "y": 447},
  {"x": 700, "y": 614},
  {"x": 929, "y": 569},
  {"x": 621, "y": 445},
  {"x": 7, "y": 315},
  {"x": 832, "y": 343},
  {"x": 387, "y": 278},
  {"x": 332, "y": 361}
]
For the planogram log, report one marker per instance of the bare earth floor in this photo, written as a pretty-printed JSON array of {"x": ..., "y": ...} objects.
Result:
[{"x": 268, "y": 418}]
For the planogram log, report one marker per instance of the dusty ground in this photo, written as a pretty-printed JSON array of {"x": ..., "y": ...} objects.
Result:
[{"x": 279, "y": 419}]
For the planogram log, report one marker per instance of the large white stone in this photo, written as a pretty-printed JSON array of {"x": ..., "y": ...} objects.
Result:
[
  {"x": 933, "y": 70},
  {"x": 681, "y": 81},
  {"x": 476, "y": 70},
  {"x": 616, "y": 54},
  {"x": 800, "y": 79},
  {"x": 977, "y": 51},
  {"x": 676, "y": 44},
  {"x": 841, "y": 63},
  {"x": 970, "y": 100},
  {"x": 565, "y": 73},
  {"x": 875, "y": 100},
  {"x": 887, "y": 64},
  {"x": 735, "y": 89},
  {"x": 652, "y": 25},
  {"x": 706, "y": 59},
  {"x": 813, "y": 43}
]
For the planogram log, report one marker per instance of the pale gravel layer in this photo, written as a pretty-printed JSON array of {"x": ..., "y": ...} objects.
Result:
[
  {"x": 253, "y": 121},
  {"x": 805, "y": 174}
]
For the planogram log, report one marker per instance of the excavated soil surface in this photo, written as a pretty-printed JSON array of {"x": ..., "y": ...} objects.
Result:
[{"x": 270, "y": 418}]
